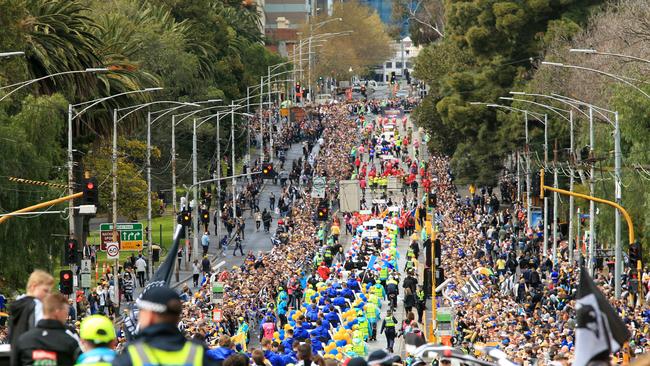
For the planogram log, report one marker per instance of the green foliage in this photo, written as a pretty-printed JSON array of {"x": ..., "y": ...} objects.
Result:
[
  {"x": 29, "y": 143},
  {"x": 486, "y": 51},
  {"x": 132, "y": 186}
]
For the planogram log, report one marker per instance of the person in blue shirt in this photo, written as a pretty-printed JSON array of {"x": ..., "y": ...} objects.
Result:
[
  {"x": 333, "y": 317},
  {"x": 300, "y": 331},
  {"x": 274, "y": 358},
  {"x": 346, "y": 292},
  {"x": 321, "y": 331},
  {"x": 312, "y": 313},
  {"x": 353, "y": 284},
  {"x": 287, "y": 343},
  {"x": 222, "y": 352}
]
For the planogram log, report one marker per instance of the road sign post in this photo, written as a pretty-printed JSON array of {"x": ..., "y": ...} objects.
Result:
[{"x": 129, "y": 237}]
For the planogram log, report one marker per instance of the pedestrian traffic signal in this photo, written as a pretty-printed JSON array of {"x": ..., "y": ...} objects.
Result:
[
  {"x": 392, "y": 77},
  {"x": 322, "y": 213},
  {"x": 205, "y": 217},
  {"x": 70, "y": 255},
  {"x": 267, "y": 171},
  {"x": 90, "y": 191},
  {"x": 66, "y": 281}
]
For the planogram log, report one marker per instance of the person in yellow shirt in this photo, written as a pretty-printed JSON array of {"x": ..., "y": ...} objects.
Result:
[
  {"x": 335, "y": 231},
  {"x": 501, "y": 266}
]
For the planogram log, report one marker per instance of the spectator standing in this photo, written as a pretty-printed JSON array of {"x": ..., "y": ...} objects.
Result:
[
  {"x": 140, "y": 269},
  {"x": 50, "y": 342},
  {"x": 27, "y": 310}
]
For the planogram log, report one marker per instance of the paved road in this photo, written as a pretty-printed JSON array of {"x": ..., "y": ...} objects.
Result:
[
  {"x": 402, "y": 247},
  {"x": 254, "y": 240}
]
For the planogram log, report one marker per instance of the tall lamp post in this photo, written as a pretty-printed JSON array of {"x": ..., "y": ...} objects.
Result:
[
  {"x": 131, "y": 110},
  {"x": 560, "y": 112},
  {"x": 618, "y": 267},
  {"x": 539, "y": 117}
]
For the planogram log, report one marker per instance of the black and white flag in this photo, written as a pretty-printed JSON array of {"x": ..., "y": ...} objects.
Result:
[
  {"x": 599, "y": 330},
  {"x": 509, "y": 285},
  {"x": 161, "y": 278},
  {"x": 472, "y": 286}
]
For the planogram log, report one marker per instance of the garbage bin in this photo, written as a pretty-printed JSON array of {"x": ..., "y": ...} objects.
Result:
[{"x": 155, "y": 254}]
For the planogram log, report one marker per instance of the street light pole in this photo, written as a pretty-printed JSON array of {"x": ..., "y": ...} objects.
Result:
[
  {"x": 232, "y": 153},
  {"x": 149, "y": 220},
  {"x": 195, "y": 213},
  {"x": 545, "y": 231},
  {"x": 618, "y": 265},
  {"x": 529, "y": 201},
  {"x": 114, "y": 196}
]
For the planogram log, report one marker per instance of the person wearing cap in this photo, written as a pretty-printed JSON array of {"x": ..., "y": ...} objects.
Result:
[
  {"x": 243, "y": 328},
  {"x": 159, "y": 341},
  {"x": 98, "y": 339}
]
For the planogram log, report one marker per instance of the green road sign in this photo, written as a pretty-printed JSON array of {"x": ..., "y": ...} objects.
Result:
[{"x": 130, "y": 235}]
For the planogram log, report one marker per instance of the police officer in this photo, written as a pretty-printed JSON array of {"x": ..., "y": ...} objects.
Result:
[
  {"x": 388, "y": 327},
  {"x": 421, "y": 303},
  {"x": 98, "y": 340},
  {"x": 159, "y": 341}
]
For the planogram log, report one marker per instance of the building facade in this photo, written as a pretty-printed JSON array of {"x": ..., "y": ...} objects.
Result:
[{"x": 403, "y": 58}]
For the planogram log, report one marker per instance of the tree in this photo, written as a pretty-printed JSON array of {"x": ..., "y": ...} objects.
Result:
[
  {"x": 426, "y": 19},
  {"x": 339, "y": 54},
  {"x": 131, "y": 185},
  {"x": 29, "y": 142},
  {"x": 485, "y": 52}
]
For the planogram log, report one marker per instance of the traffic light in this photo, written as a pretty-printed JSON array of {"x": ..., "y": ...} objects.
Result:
[
  {"x": 66, "y": 281},
  {"x": 70, "y": 252},
  {"x": 205, "y": 217},
  {"x": 186, "y": 218},
  {"x": 322, "y": 213},
  {"x": 392, "y": 77},
  {"x": 535, "y": 184},
  {"x": 297, "y": 87},
  {"x": 432, "y": 199},
  {"x": 267, "y": 171},
  {"x": 635, "y": 253},
  {"x": 91, "y": 194}
]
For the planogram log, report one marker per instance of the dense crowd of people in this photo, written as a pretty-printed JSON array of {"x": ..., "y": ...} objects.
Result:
[{"x": 322, "y": 296}]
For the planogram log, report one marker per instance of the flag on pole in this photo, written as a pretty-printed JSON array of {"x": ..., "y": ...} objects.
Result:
[
  {"x": 509, "y": 284},
  {"x": 161, "y": 278},
  {"x": 472, "y": 286},
  {"x": 599, "y": 330}
]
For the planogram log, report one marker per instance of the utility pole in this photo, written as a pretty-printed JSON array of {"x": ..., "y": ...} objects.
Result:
[
  {"x": 592, "y": 206},
  {"x": 70, "y": 175},
  {"x": 571, "y": 183},
  {"x": 114, "y": 199},
  {"x": 149, "y": 221},
  {"x": 261, "y": 120},
  {"x": 232, "y": 153},
  {"x": 529, "y": 201},
  {"x": 218, "y": 170},
  {"x": 545, "y": 231},
  {"x": 174, "y": 209},
  {"x": 618, "y": 265},
  {"x": 555, "y": 203},
  {"x": 195, "y": 213}
]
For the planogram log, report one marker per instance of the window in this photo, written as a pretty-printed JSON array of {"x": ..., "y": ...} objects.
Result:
[
  {"x": 389, "y": 65},
  {"x": 398, "y": 65},
  {"x": 409, "y": 65}
]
